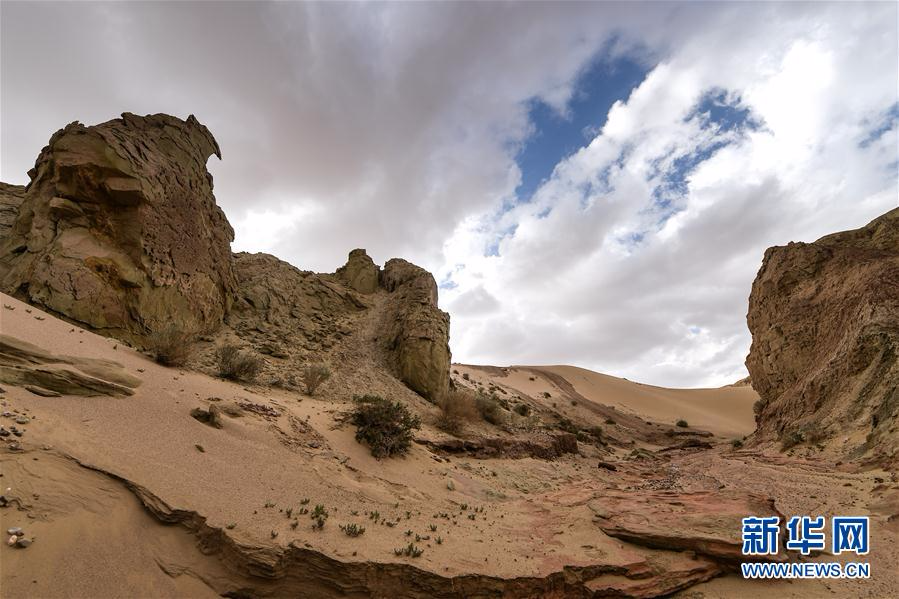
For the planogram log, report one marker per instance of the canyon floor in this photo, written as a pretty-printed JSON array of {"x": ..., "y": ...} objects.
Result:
[{"x": 131, "y": 496}]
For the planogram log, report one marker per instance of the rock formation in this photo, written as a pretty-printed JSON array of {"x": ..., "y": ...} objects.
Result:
[
  {"x": 415, "y": 331},
  {"x": 11, "y": 197},
  {"x": 824, "y": 319},
  {"x": 360, "y": 272},
  {"x": 46, "y": 374},
  {"x": 119, "y": 229}
]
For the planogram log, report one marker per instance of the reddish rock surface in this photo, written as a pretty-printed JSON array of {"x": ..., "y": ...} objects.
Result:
[{"x": 705, "y": 522}]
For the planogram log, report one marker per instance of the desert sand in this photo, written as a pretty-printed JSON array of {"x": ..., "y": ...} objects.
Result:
[{"x": 121, "y": 501}]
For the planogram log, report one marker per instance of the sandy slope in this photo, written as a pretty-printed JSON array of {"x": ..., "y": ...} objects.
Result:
[
  {"x": 93, "y": 539},
  {"x": 726, "y": 411}
]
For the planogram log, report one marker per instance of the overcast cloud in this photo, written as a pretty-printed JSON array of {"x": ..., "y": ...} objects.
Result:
[{"x": 396, "y": 127}]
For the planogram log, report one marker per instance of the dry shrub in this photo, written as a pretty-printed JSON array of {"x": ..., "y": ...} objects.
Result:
[
  {"x": 171, "y": 346},
  {"x": 456, "y": 408},
  {"x": 490, "y": 409},
  {"x": 238, "y": 365},
  {"x": 314, "y": 375}
]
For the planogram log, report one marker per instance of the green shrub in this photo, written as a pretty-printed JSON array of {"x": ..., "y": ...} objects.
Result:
[
  {"x": 736, "y": 443},
  {"x": 385, "y": 426},
  {"x": 238, "y": 365}
]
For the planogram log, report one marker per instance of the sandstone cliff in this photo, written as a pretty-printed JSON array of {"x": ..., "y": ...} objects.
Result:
[
  {"x": 415, "y": 331},
  {"x": 824, "y": 319},
  {"x": 119, "y": 229}
]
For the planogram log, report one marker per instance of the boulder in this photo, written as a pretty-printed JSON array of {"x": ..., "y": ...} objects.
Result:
[
  {"x": 415, "y": 332},
  {"x": 824, "y": 319},
  {"x": 360, "y": 272},
  {"x": 119, "y": 230}
]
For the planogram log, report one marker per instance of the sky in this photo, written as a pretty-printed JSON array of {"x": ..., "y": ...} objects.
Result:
[{"x": 590, "y": 183}]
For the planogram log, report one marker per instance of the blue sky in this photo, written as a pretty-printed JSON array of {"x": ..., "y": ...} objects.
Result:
[{"x": 556, "y": 135}]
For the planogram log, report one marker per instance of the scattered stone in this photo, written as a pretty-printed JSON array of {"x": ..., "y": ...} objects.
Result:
[
  {"x": 22, "y": 420},
  {"x": 608, "y": 466},
  {"x": 209, "y": 417},
  {"x": 12, "y": 540},
  {"x": 15, "y": 530},
  {"x": 23, "y": 543}
]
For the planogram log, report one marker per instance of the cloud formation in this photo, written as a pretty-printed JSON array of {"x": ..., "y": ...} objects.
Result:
[{"x": 396, "y": 127}]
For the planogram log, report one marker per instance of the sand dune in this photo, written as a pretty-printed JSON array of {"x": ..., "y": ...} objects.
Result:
[{"x": 726, "y": 411}]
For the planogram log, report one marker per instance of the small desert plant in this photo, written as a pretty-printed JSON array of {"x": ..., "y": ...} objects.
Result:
[
  {"x": 352, "y": 530},
  {"x": 385, "y": 426},
  {"x": 319, "y": 512},
  {"x": 171, "y": 346},
  {"x": 466, "y": 377},
  {"x": 522, "y": 409},
  {"x": 433, "y": 527},
  {"x": 490, "y": 409},
  {"x": 456, "y": 408},
  {"x": 682, "y": 423},
  {"x": 736, "y": 443},
  {"x": 411, "y": 550},
  {"x": 314, "y": 375},
  {"x": 238, "y": 365},
  {"x": 791, "y": 439}
]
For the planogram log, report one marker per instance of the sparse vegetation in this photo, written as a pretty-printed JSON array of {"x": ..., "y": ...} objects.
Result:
[
  {"x": 490, "y": 409},
  {"x": 456, "y": 408},
  {"x": 522, "y": 409},
  {"x": 736, "y": 443},
  {"x": 238, "y": 365},
  {"x": 411, "y": 550},
  {"x": 171, "y": 346},
  {"x": 313, "y": 376},
  {"x": 682, "y": 423},
  {"x": 385, "y": 426},
  {"x": 352, "y": 530}
]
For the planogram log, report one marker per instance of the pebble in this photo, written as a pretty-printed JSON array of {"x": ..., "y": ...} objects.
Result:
[
  {"x": 15, "y": 530},
  {"x": 22, "y": 420},
  {"x": 12, "y": 540},
  {"x": 23, "y": 543}
]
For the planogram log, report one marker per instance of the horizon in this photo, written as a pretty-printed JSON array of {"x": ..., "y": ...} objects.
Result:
[{"x": 565, "y": 193}]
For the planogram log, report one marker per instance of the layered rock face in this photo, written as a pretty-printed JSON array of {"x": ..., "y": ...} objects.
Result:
[
  {"x": 415, "y": 331},
  {"x": 11, "y": 198},
  {"x": 824, "y": 319},
  {"x": 119, "y": 229}
]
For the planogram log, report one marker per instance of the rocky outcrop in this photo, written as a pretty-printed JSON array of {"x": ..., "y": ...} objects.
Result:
[
  {"x": 43, "y": 373},
  {"x": 415, "y": 332},
  {"x": 824, "y": 319},
  {"x": 360, "y": 273},
  {"x": 705, "y": 522},
  {"x": 119, "y": 229},
  {"x": 11, "y": 197},
  {"x": 286, "y": 312}
]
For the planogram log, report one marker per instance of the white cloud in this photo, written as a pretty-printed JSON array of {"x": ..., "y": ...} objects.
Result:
[{"x": 395, "y": 127}]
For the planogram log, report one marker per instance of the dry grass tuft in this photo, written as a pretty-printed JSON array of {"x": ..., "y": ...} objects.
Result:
[
  {"x": 457, "y": 408},
  {"x": 238, "y": 365},
  {"x": 171, "y": 346}
]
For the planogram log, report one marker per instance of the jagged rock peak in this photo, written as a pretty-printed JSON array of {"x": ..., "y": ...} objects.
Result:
[
  {"x": 360, "y": 272},
  {"x": 121, "y": 228},
  {"x": 824, "y": 319}
]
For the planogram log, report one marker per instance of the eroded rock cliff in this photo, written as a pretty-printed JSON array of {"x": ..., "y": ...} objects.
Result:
[
  {"x": 415, "y": 331},
  {"x": 119, "y": 229},
  {"x": 824, "y": 319}
]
